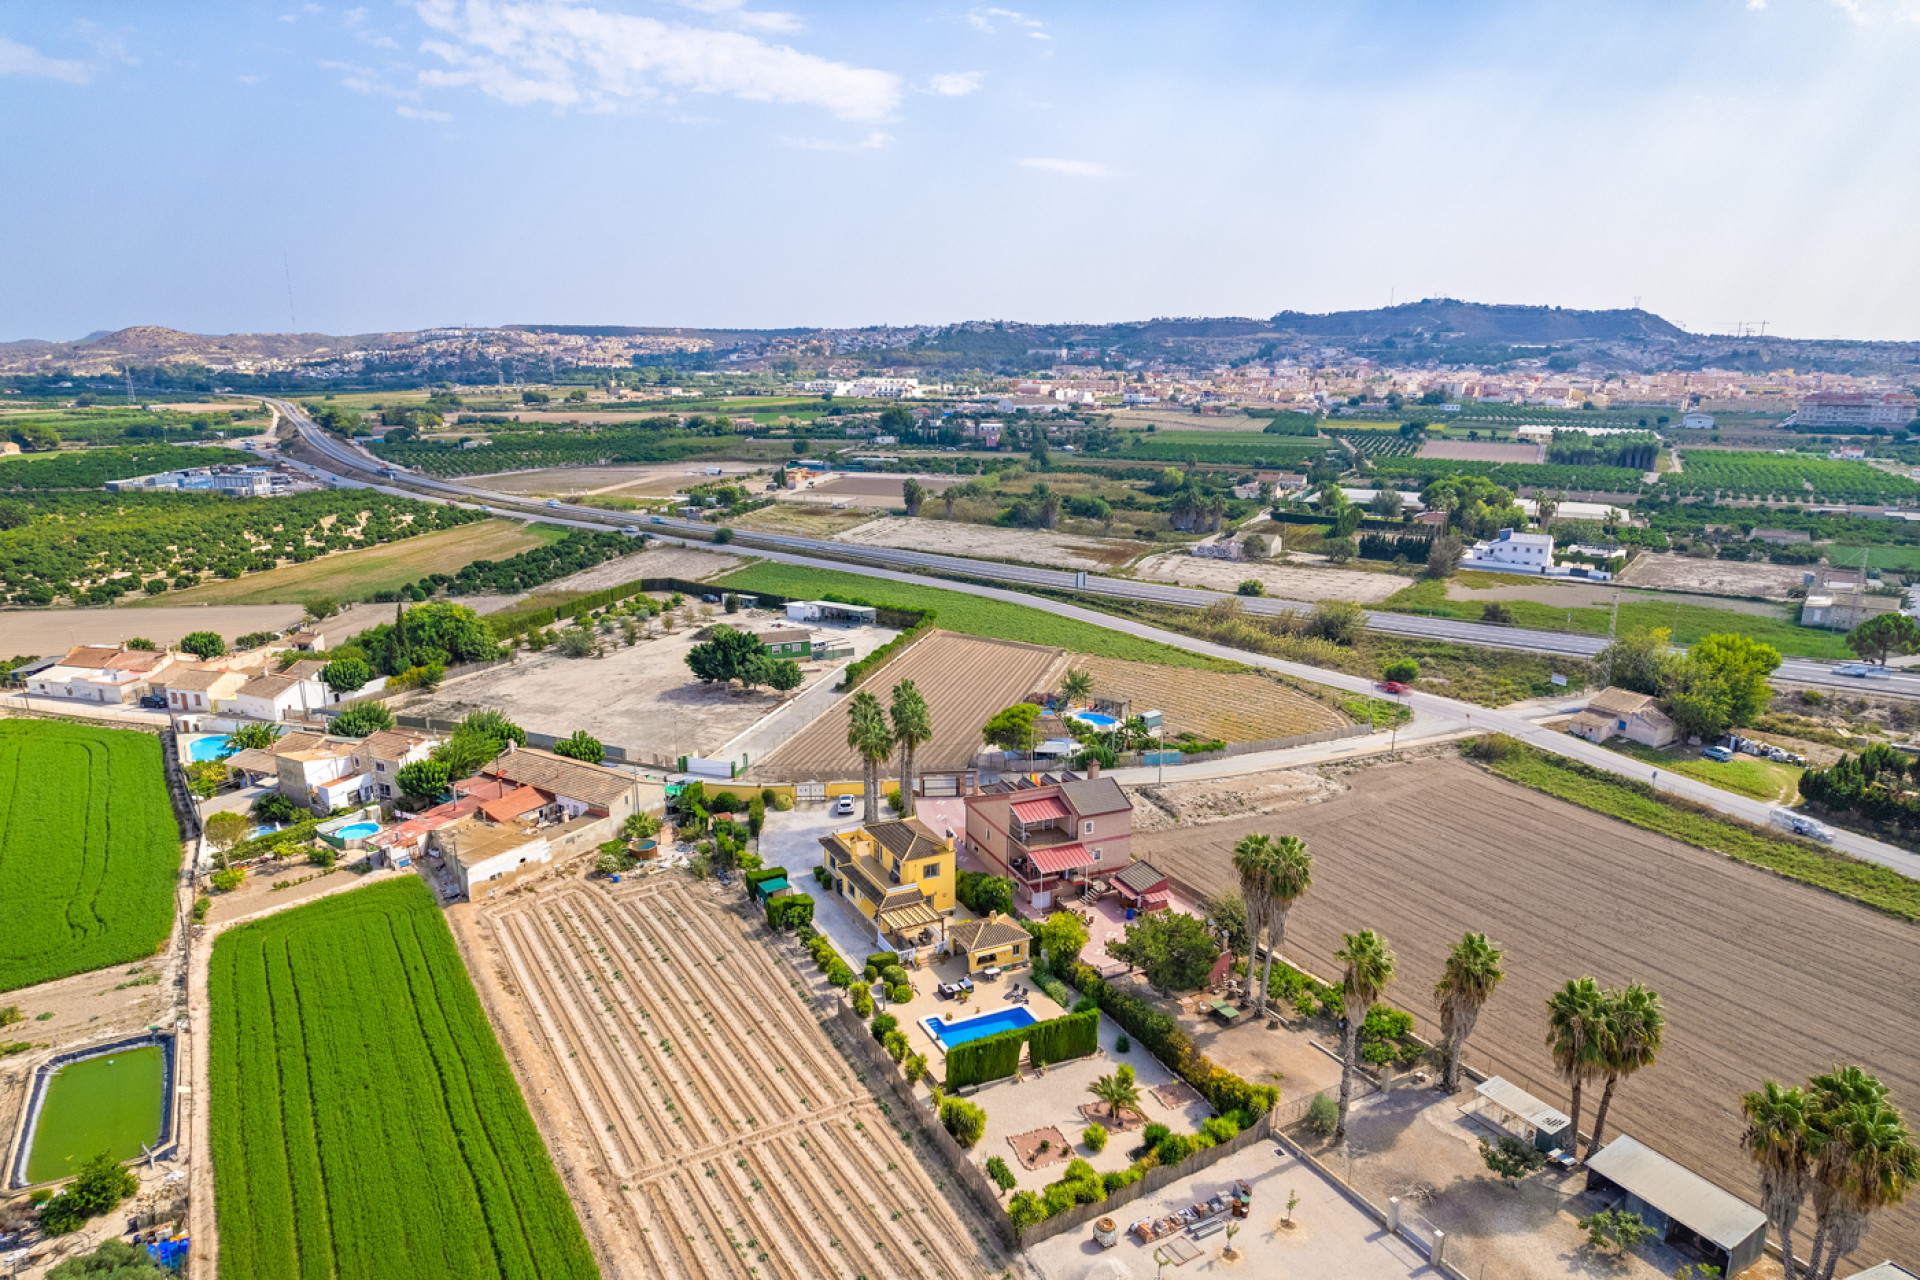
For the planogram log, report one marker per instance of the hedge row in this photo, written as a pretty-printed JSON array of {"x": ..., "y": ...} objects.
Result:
[
  {"x": 1073, "y": 1035},
  {"x": 918, "y": 622},
  {"x": 1163, "y": 1038},
  {"x": 790, "y": 911},
  {"x": 1076, "y": 1035}
]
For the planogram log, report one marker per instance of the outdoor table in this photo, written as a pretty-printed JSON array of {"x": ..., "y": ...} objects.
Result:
[{"x": 1224, "y": 1011}]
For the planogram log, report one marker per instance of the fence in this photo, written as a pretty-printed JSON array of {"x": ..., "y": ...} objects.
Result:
[{"x": 1014, "y": 762}]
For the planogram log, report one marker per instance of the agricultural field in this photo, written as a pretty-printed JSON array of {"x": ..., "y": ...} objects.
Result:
[
  {"x": 122, "y": 424},
  {"x": 1761, "y": 976},
  {"x": 1731, "y": 473},
  {"x": 588, "y": 481},
  {"x": 356, "y": 575},
  {"x": 1046, "y": 547},
  {"x": 963, "y": 612},
  {"x": 1669, "y": 572},
  {"x": 556, "y": 445},
  {"x": 965, "y": 679},
  {"x": 1293, "y": 581},
  {"x": 89, "y": 849},
  {"x": 1244, "y": 706},
  {"x": 716, "y": 1130},
  {"x": 365, "y": 1123},
  {"x": 803, "y": 519},
  {"x": 1480, "y": 451},
  {"x": 1376, "y": 443},
  {"x": 91, "y": 468},
  {"x": 1514, "y": 475},
  {"x": 1222, "y": 448}
]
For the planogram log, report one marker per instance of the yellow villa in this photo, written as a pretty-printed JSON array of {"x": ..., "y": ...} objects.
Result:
[{"x": 899, "y": 874}]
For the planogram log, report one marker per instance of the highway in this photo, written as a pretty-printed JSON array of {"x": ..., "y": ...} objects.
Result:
[{"x": 814, "y": 550}]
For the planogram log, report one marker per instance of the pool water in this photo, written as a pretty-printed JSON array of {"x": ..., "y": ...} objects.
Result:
[
  {"x": 358, "y": 830},
  {"x": 209, "y": 748},
  {"x": 110, "y": 1103},
  {"x": 1095, "y": 719},
  {"x": 950, "y": 1034}
]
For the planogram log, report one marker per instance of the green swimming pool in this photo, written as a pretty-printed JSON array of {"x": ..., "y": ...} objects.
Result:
[{"x": 111, "y": 1103}]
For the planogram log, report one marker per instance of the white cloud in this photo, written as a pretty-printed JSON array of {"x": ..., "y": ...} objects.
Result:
[
  {"x": 1756, "y": 5},
  {"x": 872, "y": 142},
  {"x": 752, "y": 19},
  {"x": 19, "y": 60},
  {"x": 1073, "y": 168},
  {"x": 955, "y": 84},
  {"x": 574, "y": 55},
  {"x": 421, "y": 113},
  {"x": 988, "y": 20}
]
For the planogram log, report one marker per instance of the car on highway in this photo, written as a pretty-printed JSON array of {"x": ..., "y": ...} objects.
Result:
[
  {"x": 1717, "y": 753},
  {"x": 843, "y": 807},
  {"x": 1801, "y": 825},
  {"x": 1863, "y": 670},
  {"x": 553, "y": 502},
  {"x": 656, "y": 519},
  {"x": 1391, "y": 686},
  {"x": 631, "y": 530}
]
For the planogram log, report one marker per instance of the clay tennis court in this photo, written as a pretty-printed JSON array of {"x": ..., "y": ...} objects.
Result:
[{"x": 1760, "y": 976}]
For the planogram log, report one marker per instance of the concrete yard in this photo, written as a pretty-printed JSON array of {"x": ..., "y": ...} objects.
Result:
[
  {"x": 642, "y": 697},
  {"x": 1286, "y": 582},
  {"x": 1669, "y": 572}
]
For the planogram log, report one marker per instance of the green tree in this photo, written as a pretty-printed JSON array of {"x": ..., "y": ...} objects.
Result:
[
  {"x": 1864, "y": 1161},
  {"x": 1473, "y": 969},
  {"x": 1011, "y": 729},
  {"x": 581, "y": 745},
  {"x": 1367, "y": 972},
  {"x": 1402, "y": 671},
  {"x": 113, "y": 1260},
  {"x": 1575, "y": 1017},
  {"x": 1176, "y": 950},
  {"x": 577, "y": 642},
  {"x": 1615, "y": 1229},
  {"x": 914, "y": 495},
  {"x": 226, "y": 829},
  {"x": 1636, "y": 660},
  {"x": 253, "y": 737},
  {"x": 783, "y": 675},
  {"x": 1633, "y": 1028},
  {"x": 1512, "y": 1159},
  {"x": 203, "y": 644},
  {"x": 1228, "y": 912},
  {"x": 361, "y": 719},
  {"x": 1078, "y": 685},
  {"x": 1777, "y": 1139},
  {"x": 1739, "y": 666},
  {"x": 345, "y": 675},
  {"x": 963, "y": 1119},
  {"x": 423, "y": 781},
  {"x": 912, "y": 729},
  {"x": 1444, "y": 554},
  {"x": 1025, "y": 1210},
  {"x": 727, "y": 655},
  {"x": 320, "y": 608},
  {"x": 1063, "y": 935},
  {"x": 872, "y": 740},
  {"x": 99, "y": 1187},
  {"x": 1118, "y": 1091},
  {"x": 1884, "y": 635}
]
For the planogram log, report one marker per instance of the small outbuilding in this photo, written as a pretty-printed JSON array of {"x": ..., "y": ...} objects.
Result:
[
  {"x": 1513, "y": 1109},
  {"x": 1683, "y": 1208},
  {"x": 1143, "y": 887},
  {"x": 1634, "y": 716}
]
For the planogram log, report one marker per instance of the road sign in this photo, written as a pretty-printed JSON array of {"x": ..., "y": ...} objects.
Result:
[{"x": 1559, "y": 680}]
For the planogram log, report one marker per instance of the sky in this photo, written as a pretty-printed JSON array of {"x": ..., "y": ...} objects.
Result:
[{"x": 308, "y": 166}]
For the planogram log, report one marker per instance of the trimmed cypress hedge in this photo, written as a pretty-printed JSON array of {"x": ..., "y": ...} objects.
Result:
[
  {"x": 988, "y": 1058},
  {"x": 1058, "y": 1039},
  {"x": 790, "y": 911},
  {"x": 1164, "y": 1039}
]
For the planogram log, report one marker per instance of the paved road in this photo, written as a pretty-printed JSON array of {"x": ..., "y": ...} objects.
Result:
[{"x": 365, "y": 468}]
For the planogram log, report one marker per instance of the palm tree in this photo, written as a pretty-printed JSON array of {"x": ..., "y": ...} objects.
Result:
[
  {"x": 912, "y": 727},
  {"x": 1253, "y": 859},
  {"x": 1633, "y": 1028},
  {"x": 1077, "y": 685},
  {"x": 1292, "y": 877},
  {"x": 1369, "y": 970},
  {"x": 1117, "y": 1091},
  {"x": 1863, "y": 1159},
  {"x": 1776, "y": 1139},
  {"x": 872, "y": 740},
  {"x": 1574, "y": 1013},
  {"x": 1471, "y": 973}
]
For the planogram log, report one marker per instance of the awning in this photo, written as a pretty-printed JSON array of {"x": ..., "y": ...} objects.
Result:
[
  {"x": 1060, "y": 859},
  {"x": 1158, "y": 898},
  {"x": 917, "y": 915},
  {"x": 1040, "y": 810}
]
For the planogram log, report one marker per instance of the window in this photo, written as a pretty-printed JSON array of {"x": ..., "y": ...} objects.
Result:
[
  {"x": 1096, "y": 855},
  {"x": 1086, "y": 828}
]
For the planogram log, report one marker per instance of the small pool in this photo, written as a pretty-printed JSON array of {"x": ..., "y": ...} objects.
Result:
[
  {"x": 949, "y": 1034},
  {"x": 214, "y": 748},
  {"x": 1095, "y": 719},
  {"x": 358, "y": 831},
  {"x": 109, "y": 1103}
]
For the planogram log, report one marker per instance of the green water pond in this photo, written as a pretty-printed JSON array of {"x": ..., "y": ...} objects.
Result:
[{"x": 110, "y": 1103}]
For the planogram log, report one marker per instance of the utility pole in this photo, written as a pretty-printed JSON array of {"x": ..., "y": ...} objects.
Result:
[{"x": 1613, "y": 627}]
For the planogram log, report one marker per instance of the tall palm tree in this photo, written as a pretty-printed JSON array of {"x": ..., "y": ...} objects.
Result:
[
  {"x": 1292, "y": 877},
  {"x": 1632, "y": 1030},
  {"x": 1574, "y": 1013},
  {"x": 1253, "y": 859},
  {"x": 1472, "y": 971},
  {"x": 1369, "y": 970},
  {"x": 1776, "y": 1139},
  {"x": 872, "y": 740},
  {"x": 912, "y": 727},
  {"x": 1864, "y": 1159}
]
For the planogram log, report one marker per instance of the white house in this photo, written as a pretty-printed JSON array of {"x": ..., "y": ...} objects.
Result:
[
  {"x": 1697, "y": 421},
  {"x": 280, "y": 697},
  {"x": 1514, "y": 552},
  {"x": 198, "y": 689},
  {"x": 1634, "y": 716}
]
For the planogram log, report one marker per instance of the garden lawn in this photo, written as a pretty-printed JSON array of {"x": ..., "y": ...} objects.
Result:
[
  {"x": 1743, "y": 775},
  {"x": 1688, "y": 622},
  {"x": 365, "y": 1123},
  {"x": 1867, "y": 883},
  {"x": 89, "y": 849},
  {"x": 965, "y": 613}
]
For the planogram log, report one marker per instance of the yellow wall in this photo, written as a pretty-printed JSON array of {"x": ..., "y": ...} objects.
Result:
[
  {"x": 741, "y": 791},
  {"x": 836, "y": 789},
  {"x": 1010, "y": 953}
]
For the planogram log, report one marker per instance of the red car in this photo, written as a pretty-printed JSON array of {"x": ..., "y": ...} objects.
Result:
[{"x": 1392, "y": 686}]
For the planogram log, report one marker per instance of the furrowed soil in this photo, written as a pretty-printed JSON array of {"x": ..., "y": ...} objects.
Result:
[
  {"x": 1240, "y": 706},
  {"x": 1479, "y": 451},
  {"x": 1761, "y": 977},
  {"x": 1027, "y": 546},
  {"x": 703, "y": 1121}
]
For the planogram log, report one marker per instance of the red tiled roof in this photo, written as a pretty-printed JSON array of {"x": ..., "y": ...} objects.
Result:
[
  {"x": 1060, "y": 858},
  {"x": 509, "y": 807},
  {"x": 1158, "y": 896},
  {"x": 1040, "y": 810}
]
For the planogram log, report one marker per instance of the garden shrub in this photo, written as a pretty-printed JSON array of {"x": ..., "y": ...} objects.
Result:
[
  {"x": 900, "y": 994},
  {"x": 821, "y": 878},
  {"x": 1123, "y": 1045},
  {"x": 1153, "y": 1135},
  {"x": 1323, "y": 1114},
  {"x": 1095, "y": 1136},
  {"x": 882, "y": 1025},
  {"x": 227, "y": 880},
  {"x": 880, "y": 960},
  {"x": 965, "y": 1121},
  {"x": 1173, "y": 1148},
  {"x": 915, "y": 1066},
  {"x": 1025, "y": 1210},
  {"x": 1219, "y": 1129},
  {"x": 1060, "y": 992},
  {"x": 862, "y": 1003},
  {"x": 893, "y": 975},
  {"x": 790, "y": 911},
  {"x": 896, "y": 1045},
  {"x": 840, "y": 976},
  {"x": 1002, "y": 1176}
]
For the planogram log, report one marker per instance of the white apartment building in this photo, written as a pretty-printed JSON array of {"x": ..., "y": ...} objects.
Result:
[
  {"x": 1841, "y": 409},
  {"x": 1514, "y": 552}
]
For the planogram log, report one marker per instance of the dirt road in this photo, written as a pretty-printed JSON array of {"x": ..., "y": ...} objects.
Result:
[{"x": 1761, "y": 977}]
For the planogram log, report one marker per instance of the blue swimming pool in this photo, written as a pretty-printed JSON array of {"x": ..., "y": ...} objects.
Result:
[
  {"x": 950, "y": 1034},
  {"x": 1095, "y": 719},
  {"x": 209, "y": 748},
  {"x": 358, "y": 830}
]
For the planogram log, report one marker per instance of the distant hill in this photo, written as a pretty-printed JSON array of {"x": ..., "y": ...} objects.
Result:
[{"x": 1480, "y": 322}]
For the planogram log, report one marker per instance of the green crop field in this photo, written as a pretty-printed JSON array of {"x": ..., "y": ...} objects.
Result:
[
  {"x": 1538, "y": 475},
  {"x": 1233, "y": 448},
  {"x": 366, "y": 1125},
  {"x": 1795, "y": 478},
  {"x": 967, "y": 613},
  {"x": 89, "y": 849}
]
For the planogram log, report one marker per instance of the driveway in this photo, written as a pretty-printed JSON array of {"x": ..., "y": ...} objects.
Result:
[{"x": 792, "y": 840}]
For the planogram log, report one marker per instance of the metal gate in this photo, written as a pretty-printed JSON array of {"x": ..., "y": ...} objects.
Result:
[
  {"x": 809, "y": 792},
  {"x": 940, "y": 784}
]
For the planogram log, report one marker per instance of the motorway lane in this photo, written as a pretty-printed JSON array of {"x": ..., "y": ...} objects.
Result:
[{"x": 811, "y": 550}]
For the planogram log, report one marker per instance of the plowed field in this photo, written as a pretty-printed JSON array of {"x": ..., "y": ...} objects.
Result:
[
  {"x": 1761, "y": 976},
  {"x": 965, "y": 679},
  {"x": 1235, "y": 706},
  {"x": 723, "y": 1133}
]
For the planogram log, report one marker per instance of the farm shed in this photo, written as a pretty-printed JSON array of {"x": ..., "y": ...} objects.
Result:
[
  {"x": 1509, "y": 1106},
  {"x": 832, "y": 611},
  {"x": 1143, "y": 887},
  {"x": 1683, "y": 1207}
]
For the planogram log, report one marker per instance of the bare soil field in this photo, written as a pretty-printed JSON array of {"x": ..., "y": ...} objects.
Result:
[
  {"x": 1480, "y": 451},
  {"x": 1288, "y": 582},
  {"x": 655, "y": 562},
  {"x": 965, "y": 679},
  {"x": 1237, "y": 706},
  {"x": 639, "y": 481},
  {"x": 1761, "y": 977},
  {"x": 1183, "y": 804},
  {"x": 878, "y": 486},
  {"x": 704, "y": 1123},
  {"x": 1028, "y": 546},
  {"x": 640, "y": 696},
  {"x": 1669, "y": 572},
  {"x": 804, "y": 519}
]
